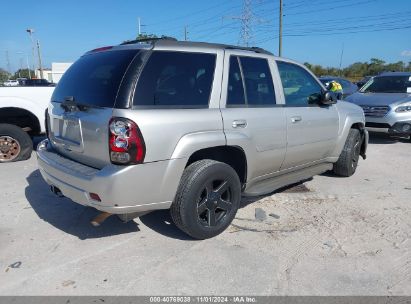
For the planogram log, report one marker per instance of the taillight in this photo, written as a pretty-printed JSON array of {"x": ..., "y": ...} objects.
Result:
[{"x": 125, "y": 142}]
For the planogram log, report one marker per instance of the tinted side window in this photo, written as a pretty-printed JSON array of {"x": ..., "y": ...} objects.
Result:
[
  {"x": 299, "y": 86},
  {"x": 259, "y": 85},
  {"x": 235, "y": 90},
  {"x": 176, "y": 79}
]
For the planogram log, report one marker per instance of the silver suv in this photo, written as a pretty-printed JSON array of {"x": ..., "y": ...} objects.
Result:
[
  {"x": 386, "y": 101},
  {"x": 191, "y": 127}
]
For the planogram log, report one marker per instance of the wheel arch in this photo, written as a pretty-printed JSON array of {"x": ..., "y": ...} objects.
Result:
[
  {"x": 22, "y": 118},
  {"x": 364, "y": 137},
  {"x": 233, "y": 156}
]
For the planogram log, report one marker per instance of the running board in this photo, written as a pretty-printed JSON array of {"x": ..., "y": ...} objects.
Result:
[{"x": 273, "y": 183}]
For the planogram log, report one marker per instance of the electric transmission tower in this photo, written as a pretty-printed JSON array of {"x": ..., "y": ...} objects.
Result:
[{"x": 248, "y": 19}]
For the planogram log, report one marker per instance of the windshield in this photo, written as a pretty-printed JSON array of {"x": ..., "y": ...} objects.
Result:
[
  {"x": 95, "y": 78},
  {"x": 387, "y": 84}
]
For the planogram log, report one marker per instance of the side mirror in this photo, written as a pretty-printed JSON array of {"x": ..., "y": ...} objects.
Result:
[
  {"x": 328, "y": 98},
  {"x": 323, "y": 98}
]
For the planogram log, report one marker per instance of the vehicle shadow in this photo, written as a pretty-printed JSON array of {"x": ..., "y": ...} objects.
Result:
[
  {"x": 68, "y": 216},
  {"x": 74, "y": 219},
  {"x": 161, "y": 222},
  {"x": 293, "y": 188},
  {"x": 379, "y": 138}
]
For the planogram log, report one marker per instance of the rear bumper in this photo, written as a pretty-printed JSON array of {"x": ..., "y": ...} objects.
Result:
[{"x": 122, "y": 189}]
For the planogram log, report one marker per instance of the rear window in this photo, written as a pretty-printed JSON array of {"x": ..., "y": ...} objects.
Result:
[
  {"x": 95, "y": 78},
  {"x": 176, "y": 79}
]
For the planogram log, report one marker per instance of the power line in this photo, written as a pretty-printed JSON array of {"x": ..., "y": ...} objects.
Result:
[{"x": 340, "y": 32}]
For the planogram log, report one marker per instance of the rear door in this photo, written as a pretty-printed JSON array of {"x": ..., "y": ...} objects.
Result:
[
  {"x": 311, "y": 129},
  {"x": 83, "y": 102},
  {"x": 252, "y": 119}
]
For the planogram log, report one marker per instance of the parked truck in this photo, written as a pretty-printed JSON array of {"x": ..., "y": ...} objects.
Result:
[{"x": 22, "y": 112}]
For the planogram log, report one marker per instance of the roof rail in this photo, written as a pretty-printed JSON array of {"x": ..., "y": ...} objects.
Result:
[
  {"x": 252, "y": 49},
  {"x": 152, "y": 40}
]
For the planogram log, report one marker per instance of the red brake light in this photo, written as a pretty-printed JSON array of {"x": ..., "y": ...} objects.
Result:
[
  {"x": 95, "y": 196},
  {"x": 126, "y": 142}
]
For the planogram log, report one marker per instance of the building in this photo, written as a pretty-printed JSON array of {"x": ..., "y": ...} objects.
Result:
[
  {"x": 56, "y": 72},
  {"x": 47, "y": 74}
]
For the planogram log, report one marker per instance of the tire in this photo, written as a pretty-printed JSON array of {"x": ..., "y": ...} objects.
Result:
[
  {"x": 15, "y": 144},
  {"x": 207, "y": 199},
  {"x": 348, "y": 161}
]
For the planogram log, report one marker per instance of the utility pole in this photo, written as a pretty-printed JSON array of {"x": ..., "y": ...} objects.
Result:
[
  {"x": 8, "y": 62},
  {"x": 28, "y": 66},
  {"x": 39, "y": 54},
  {"x": 139, "y": 26},
  {"x": 280, "y": 29},
  {"x": 21, "y": 66},
  {"x": 31, "y": 31},
  {"x": 185, "y": 33}
]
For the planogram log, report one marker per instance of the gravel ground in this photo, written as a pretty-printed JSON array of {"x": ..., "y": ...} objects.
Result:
[{"x": 328, "y": 236}]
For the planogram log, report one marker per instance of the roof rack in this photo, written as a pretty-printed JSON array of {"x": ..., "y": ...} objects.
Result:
[
  {"x": 253, "y": 49},
  {"x": 152, "y": 40},
  {"x": 166, "y": 39}
]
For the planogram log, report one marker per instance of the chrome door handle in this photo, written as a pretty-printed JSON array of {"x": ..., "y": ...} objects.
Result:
[
  {"x": 239, "y": 124},
  {"x": 296, "y": 119}
]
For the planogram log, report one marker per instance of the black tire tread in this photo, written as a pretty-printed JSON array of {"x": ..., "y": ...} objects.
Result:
[
  {"x": 189, "y": 173},
  {"x": 26, "y": 144},
  {"x": 186, "y": 183},
  {"x": 343, "y": 166}
]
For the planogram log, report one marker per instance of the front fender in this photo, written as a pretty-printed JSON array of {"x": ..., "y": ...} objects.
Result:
[{"x": 350, "y": 115}]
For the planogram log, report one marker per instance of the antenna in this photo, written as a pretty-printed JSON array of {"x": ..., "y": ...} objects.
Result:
[{"x": 341, "y": 58}]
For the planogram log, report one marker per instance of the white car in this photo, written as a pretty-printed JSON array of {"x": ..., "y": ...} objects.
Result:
[{"x": 11, "y": 83}]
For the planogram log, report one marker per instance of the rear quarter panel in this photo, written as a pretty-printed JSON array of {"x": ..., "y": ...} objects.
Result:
[{"x": 176, "y": 133}]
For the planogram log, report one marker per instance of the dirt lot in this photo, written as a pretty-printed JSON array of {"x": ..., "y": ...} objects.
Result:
[{"x": 329, "y": 236}]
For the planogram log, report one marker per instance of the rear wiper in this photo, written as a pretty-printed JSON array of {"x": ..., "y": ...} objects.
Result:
[{"x": 69, "y": 105}]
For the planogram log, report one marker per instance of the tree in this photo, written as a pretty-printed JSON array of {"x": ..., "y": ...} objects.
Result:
[
  {"x": 358, "y": 70},
  {"x": 4, "y": 75},
  {"x": 144, "y": 36},
  {"x": 23, "y": 73}
]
